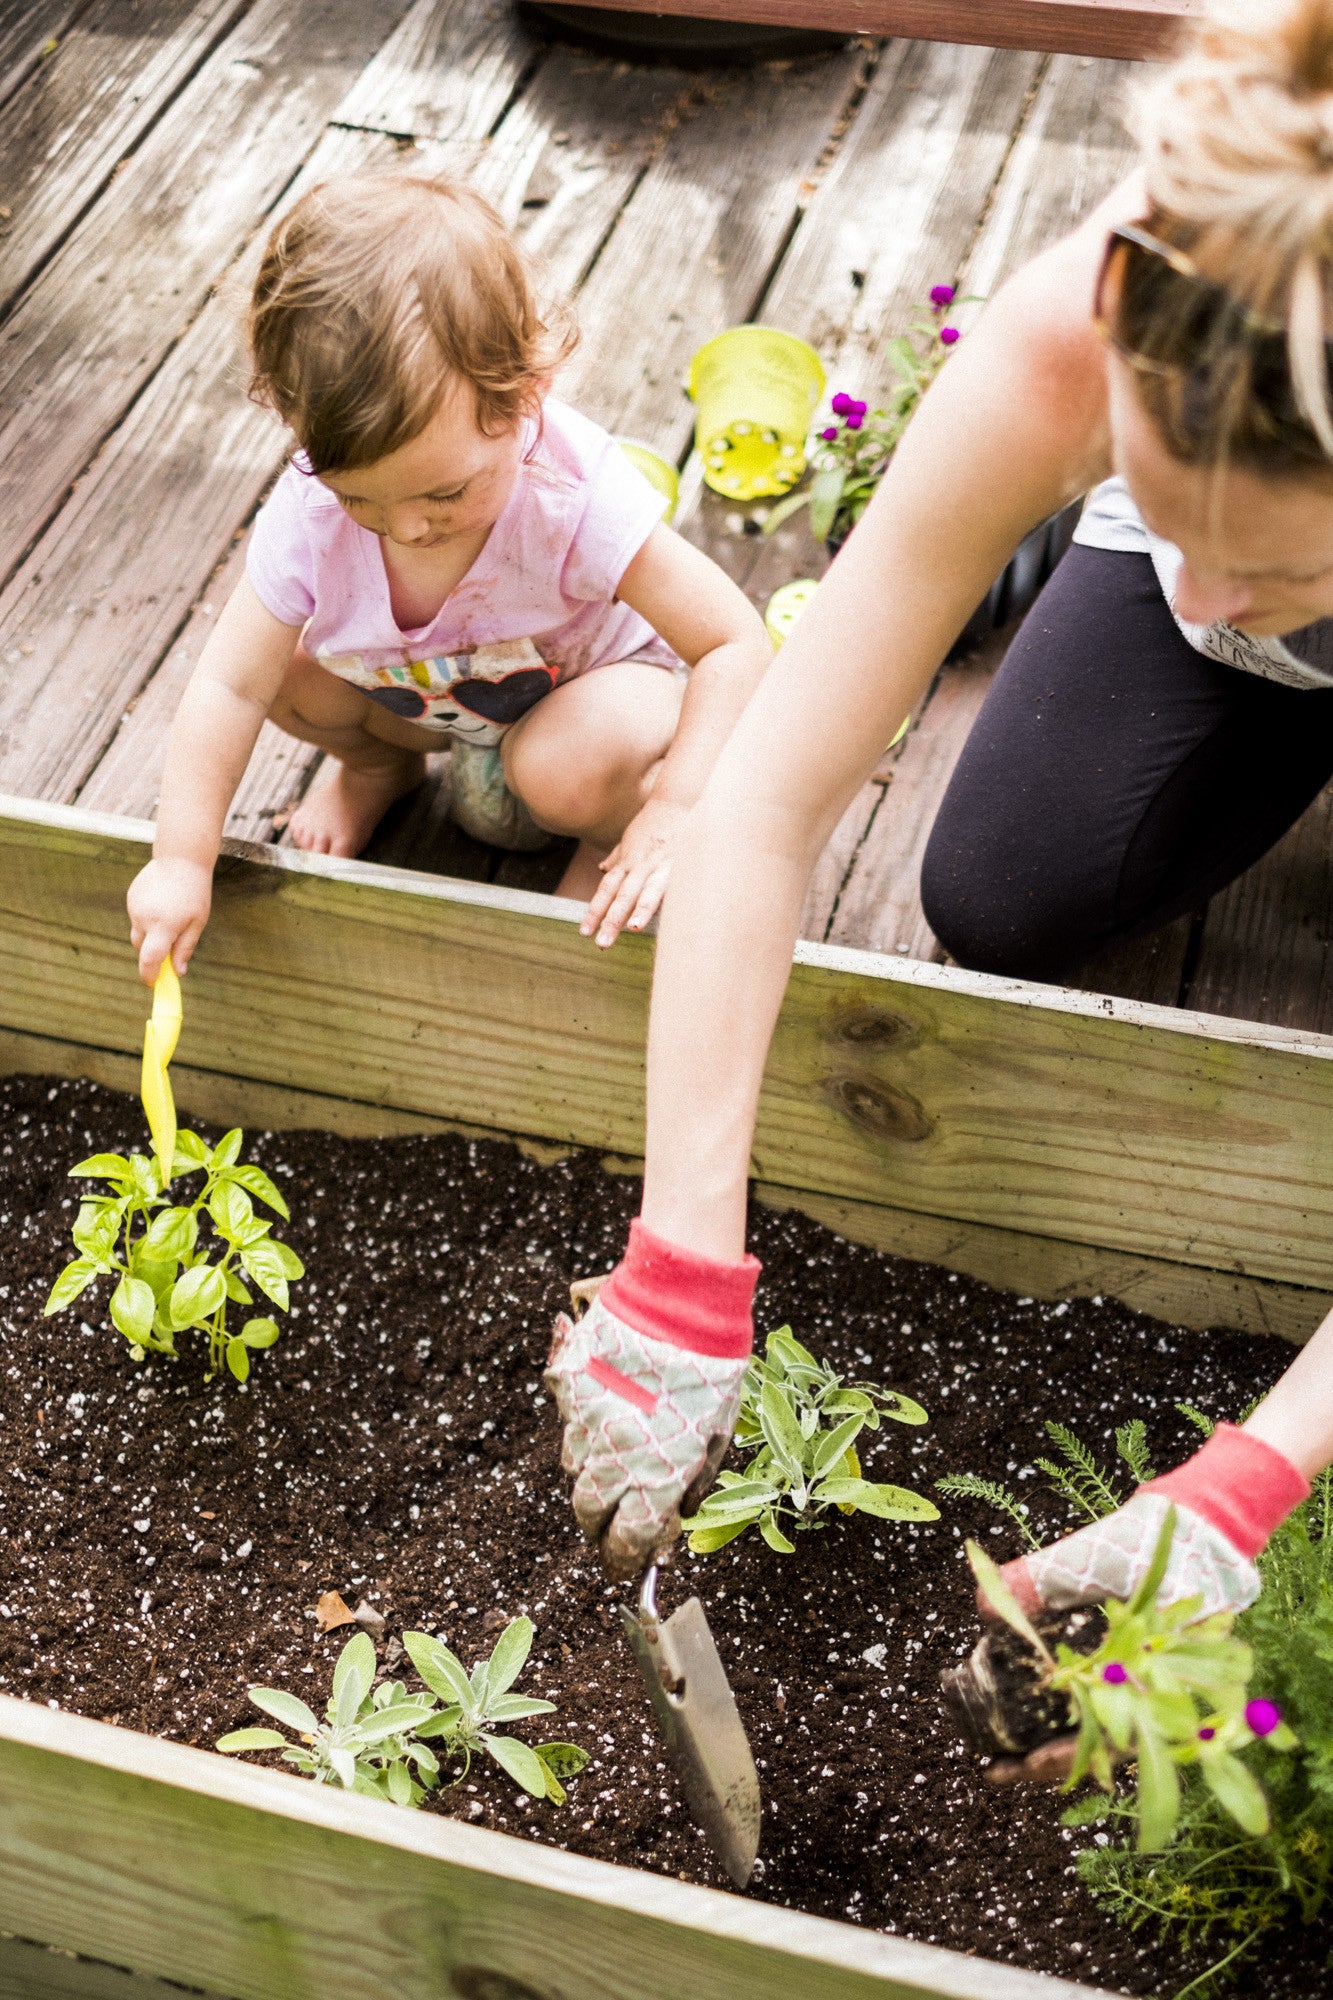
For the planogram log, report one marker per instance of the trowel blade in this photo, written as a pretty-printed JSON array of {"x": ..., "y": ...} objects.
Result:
[{"x": 703, "y": 1732}]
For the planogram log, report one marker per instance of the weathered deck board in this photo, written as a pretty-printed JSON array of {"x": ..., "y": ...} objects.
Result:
[
  {"x": 30, "y": 32},
  {"x": 97, "y": 322},
  {"x": 448, "y": 71},
  {"x": 107, "y": 83},
  {"x": 1148, "y": 968},
  {"x": 1266, "y": 953},
  {"x": 697, "y": 241}
]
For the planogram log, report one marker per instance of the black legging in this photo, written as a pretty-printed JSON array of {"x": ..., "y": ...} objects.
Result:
[{"x": 1113, "y": 780}]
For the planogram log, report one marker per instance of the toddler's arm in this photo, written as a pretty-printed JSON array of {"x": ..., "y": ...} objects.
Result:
[
  {"x": 711, "y": 623},
  {"x": 231, "y": 691}
]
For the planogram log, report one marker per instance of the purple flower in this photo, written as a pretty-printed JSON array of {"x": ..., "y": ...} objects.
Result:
[
  {"x": 941, "y": 296},
  {"x": 1207, "y": 1733},
  {"x": 1115, "y": 1674},
  {"x": 948, "y": 335},
  {"x": 855, "y": 420},
  {"x": 829, "y": 434},
  {"x": 857, "y": 409},
  {"x": 841, "y": 403},
  {"x": 1262, "y": 1716}
]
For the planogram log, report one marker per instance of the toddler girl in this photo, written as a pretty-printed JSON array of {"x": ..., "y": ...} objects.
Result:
[{"x": 451, "y": 557}]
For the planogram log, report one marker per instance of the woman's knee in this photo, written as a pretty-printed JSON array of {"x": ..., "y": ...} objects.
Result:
[{"x": 991, "y": 918}]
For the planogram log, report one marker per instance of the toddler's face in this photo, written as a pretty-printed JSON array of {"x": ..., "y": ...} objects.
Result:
[{"x": 450, "y": 481}]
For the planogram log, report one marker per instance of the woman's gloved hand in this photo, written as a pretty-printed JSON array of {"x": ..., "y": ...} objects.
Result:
[
  {"x": 648, "y": 1383},
  {"x": 1228, "y": 1499}
]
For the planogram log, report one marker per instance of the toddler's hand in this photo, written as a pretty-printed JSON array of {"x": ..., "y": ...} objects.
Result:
[
  {"x": 169, "y": 902},
  {"x": 635, "y": 873}
]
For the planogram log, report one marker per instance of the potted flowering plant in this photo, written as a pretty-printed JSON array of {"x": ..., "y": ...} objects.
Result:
[{"x": 850, "y": 453}]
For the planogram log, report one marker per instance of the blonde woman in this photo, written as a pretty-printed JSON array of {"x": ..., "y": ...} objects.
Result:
[{"x": 1164, "y": 715}]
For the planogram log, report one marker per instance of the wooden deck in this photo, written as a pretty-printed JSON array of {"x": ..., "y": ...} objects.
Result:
[{"x": 145, "y": 146}]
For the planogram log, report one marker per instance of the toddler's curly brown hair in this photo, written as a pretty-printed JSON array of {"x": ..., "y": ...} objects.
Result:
[{"x": 375, "y": 293}]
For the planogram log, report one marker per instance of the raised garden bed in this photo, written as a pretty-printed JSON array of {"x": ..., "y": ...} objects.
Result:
[
  {"x": 168, "y": 1540},
  {"x": 1156, "y": 1156}
]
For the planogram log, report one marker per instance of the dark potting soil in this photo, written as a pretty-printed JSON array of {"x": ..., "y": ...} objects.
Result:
[{"x": 164, "y": 1541}]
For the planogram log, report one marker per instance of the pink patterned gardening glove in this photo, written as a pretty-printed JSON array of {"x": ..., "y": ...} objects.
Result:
[
  {"x": 648, "y": 1383},
  {"x": 1228, "y": 1498}
]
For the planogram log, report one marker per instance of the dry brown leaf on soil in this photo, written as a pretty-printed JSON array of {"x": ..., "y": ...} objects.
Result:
[
  {"x": 373, "y": 1620},
  {"x": 331, "y": 1612}
]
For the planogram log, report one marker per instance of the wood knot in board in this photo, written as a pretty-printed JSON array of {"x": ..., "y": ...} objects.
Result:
[
  {"x": 879, "y": 1110},
  {"x": 477, "y": 1982},
  {"x": 874, "y": 1028}
]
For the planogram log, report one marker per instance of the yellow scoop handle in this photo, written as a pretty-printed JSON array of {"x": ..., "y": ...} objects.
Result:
[{"x": 159, "y": 1045}]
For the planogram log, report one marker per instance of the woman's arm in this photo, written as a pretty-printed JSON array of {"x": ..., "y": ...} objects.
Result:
[
  {"x": 715, "y": 629},
  {"x": 230, "y": 692},
  {"x": 1012, "y": 429}
]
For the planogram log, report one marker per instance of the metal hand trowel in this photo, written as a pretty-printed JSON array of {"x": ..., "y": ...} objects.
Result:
[{"x": 703, "y": 1732}]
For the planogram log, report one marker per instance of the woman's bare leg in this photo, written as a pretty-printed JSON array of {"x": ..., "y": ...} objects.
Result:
[{"x": 374, "y": 757}]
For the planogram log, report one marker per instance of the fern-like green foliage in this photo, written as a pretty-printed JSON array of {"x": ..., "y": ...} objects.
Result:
[
  {"x": 971, "y": 1486},
  {"x": 1079, "y": 1479},
  {"x": 1208, "y": 1885}
]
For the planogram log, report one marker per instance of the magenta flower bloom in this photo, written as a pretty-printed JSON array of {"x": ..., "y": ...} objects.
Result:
[
  {"x": 1207, "y": 1733},
  {"x": 857, "y": 408},
  {"x": 855, "y": 420},
  {"x": 1262, "y": 1716},
  {"x": 941, "y": 296},
  {"x": 829, "y": 434},
  {"x": 948, "y": 335},
  {"x": 841, "y": 403},
  {"x": 1115, "y": 1674}
]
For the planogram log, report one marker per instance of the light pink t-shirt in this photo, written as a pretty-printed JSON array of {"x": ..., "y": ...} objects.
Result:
[{"x": 536, "y": 608}]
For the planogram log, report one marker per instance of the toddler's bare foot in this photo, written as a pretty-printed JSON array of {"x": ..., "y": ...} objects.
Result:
[
  {"x": 583, "y": 877},
  {"x": 345, "y": 804}
]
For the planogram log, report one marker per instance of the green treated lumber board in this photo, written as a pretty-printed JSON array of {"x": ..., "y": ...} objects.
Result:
[
  {"x": 277, "y": 1889},
  {"x": 95, "y": 324},
  {"x": 1078, "y": 27},
  {"x": 1183, "y": 1294},
  {"x": 106, "y": 84},
  {"x": 1029, "y": 1108},
  {"x": 34, "y": 1972}
]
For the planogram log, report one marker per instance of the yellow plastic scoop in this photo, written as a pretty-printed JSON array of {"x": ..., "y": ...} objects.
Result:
[{"x": 159, "y": 1045}]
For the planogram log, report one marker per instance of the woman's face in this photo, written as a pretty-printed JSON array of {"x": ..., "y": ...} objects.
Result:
[{"x": 1258, "y": 551}]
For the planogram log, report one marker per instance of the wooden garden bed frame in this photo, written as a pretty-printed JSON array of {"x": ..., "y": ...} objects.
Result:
[
  {"x": 1133, "y": 28},
  {"x": 1050, "y": 1140}
]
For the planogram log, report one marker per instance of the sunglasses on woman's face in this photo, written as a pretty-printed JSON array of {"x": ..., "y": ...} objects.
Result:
[{"x": 1163, "y": 316}]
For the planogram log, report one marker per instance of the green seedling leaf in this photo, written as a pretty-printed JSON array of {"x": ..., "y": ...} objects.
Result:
[
  {"x": 171, "y": 1235},
  {"x": 707, "y": 1541},
  {"x": 523, "y": 1765},
  {"x": 96, "y": 1229},
  {"x": 104, "y": 1166},
  {"x": 250, "y": 1739},
  {"x": 445, "y": 1722},
  {"x": 1237, "y": 1791},
  {"x": 509, "y": 1655},
  {"x": 403, "y": 1716},
  {"x": 197, "y": 1294},
  {"x": 238, "y": 1293},
  {"x": 238, "y": 1359},
  {"x": 1002, "y": 1600},
  {"x": 286, "y": 1708},
  {"x": 260, "y": 1332},
  {"x": 344, "y": 1766},
  {"x": 901, "y": 1409},
  {"x": 773, "y": 1535},
  {"x": 191, "y": 1153},
  {"x": 825, "y": 499},
  {"x": 1159, "y": 1791},
  {"x": 227, "y": 1151},
  {"x": 886, "y": 1503},
  {"x": 782, "y": 1345},
  {"x": 835, "y": 1444},
  {"x": 399, "y": 1782},
  {"x": 1147, "y": 1590},
  {"x": 256, "y": 1182},
  {"x": 261, "y": 1261},
  {"x": 513, "y": 1707},
  {"x": 74, "y": 1279},
  {"x": 132, "y": 1309},
  {"x": 442, "y": 1671},
  {"x": 780, "y": 1427},
  {"x": 565, "y": 1759},
  {"x": 231, "y": 1209},
  {"x": 352, "y": 1677}
]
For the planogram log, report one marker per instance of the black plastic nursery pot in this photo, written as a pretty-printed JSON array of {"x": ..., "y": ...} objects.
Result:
[{"x": 1052, "y": 1142}]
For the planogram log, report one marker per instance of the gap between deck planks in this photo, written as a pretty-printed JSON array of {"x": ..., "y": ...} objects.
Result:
[{"x": 104, "y": 86}]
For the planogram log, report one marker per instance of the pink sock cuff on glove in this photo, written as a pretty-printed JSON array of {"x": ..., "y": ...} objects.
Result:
[
  {"x": 678, "y": 1295},
  {"x": 1239, "y": 1484}
]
